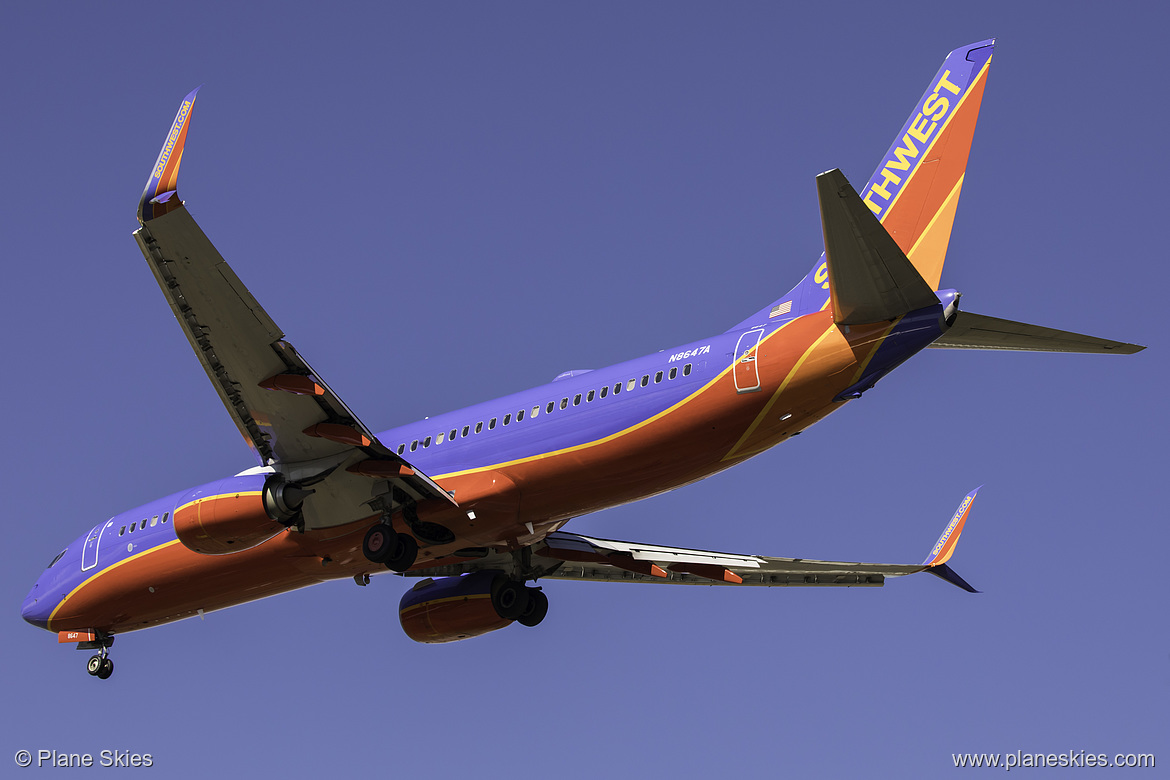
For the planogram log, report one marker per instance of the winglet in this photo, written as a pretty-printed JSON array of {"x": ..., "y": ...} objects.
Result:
[
  {"x": 160, "y": 195},
  {"x": 945, "y": 546},
  {"x": 936, "y": 562}
]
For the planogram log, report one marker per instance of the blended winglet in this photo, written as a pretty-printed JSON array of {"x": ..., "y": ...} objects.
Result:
[
  {"x": 936, "y": 561},
  {"x": 161, "y": 193},
  {"x": 945, "y": 546}
]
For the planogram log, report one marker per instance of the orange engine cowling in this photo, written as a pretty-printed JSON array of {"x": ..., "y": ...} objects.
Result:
[
  {"x": 451, "y": 608},
  {"x": 234, "y": 514}
]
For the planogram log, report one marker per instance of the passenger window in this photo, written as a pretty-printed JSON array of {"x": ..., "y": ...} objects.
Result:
[
  {"x": 519, "y": 415},
  {"x": 535, "y": 411},
  {"x": 550, "y": 408},
  {"x": 658, "y": 377},
  {"x": 631, "y": 383},
  {"x": 507, "y": 419},
  {"x": 577, "y": 400},
  {"x": 452, "y": 435},
  {"x": 492, "y": 424},
  {"x": 604, "y": 391},
  {"x": 165, "y": 516},
  {"x": 466, "y": 430},
  {"x": 122, "y": 531},
  {"x": 426, "y": 442},
  {"x": 414, "y": 445},
  {"x": 439, "y": 439},
  {"x": 687, "y": 370},
  {"x": 617, "y": 388},
  {"x": 565, "y": 403},
  {"x": 133, "y": 526},
  {"x": 589, "y": 398},
  {"x": 401, "y": 448},
  {"x": 478, "y": 427},
  {"x": 673, "y": 372},
  {"x": 645, "y": 379},
  {"x": 154, "y": 521}
]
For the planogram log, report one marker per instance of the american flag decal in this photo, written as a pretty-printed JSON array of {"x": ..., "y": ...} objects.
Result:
[{"x": 783, "y": 308}]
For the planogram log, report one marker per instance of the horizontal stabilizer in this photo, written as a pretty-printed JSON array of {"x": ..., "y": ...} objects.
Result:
[
  {"x": 978, "y": 331},
  {"x": 870, "y": 278}
]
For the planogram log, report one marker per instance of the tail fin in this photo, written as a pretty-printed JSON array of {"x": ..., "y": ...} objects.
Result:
[{"x": 915, "y": 190}]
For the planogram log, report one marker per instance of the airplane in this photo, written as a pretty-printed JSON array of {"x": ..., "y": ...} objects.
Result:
[{"x": 472, "y": 503}]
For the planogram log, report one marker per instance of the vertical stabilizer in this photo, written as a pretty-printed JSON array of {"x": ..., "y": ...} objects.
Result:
[{"x": 915, "y": 190}]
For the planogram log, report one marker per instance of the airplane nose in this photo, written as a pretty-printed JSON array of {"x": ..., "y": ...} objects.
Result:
[{"x": 34, "y": 610}]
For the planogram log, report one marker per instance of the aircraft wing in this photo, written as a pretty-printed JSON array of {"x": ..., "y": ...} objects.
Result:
[
  {"x": 286, "y": 412},
  {"x": 567, "y": 556},
  {"x": 586, "y": 558}
]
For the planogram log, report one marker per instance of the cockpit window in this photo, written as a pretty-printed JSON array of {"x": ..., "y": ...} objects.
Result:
[{"x": 60, "y": 555}]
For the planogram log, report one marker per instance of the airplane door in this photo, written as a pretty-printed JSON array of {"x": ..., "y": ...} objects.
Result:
[
  {"x": 89, "y": 554},
  {"x": 747, "y": 372}
]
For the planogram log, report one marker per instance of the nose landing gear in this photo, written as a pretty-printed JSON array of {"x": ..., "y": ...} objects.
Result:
[{"x": 101, "y": 665}]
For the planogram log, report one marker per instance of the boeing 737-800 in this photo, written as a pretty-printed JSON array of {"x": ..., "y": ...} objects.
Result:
[{"x": 473, "y": 503}]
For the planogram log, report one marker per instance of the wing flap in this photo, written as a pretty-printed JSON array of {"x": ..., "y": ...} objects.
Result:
[
  {"x": 705, "y": 567},
  {"x": 567, "y": 556}
]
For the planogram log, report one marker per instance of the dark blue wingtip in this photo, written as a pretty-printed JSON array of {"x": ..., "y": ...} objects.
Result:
[{"x": 944, "y": 572}]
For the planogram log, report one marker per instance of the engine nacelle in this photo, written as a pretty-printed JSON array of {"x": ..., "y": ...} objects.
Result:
[
  {"x": 451, "y": 608},
  {"x": 234, "y": 514}
]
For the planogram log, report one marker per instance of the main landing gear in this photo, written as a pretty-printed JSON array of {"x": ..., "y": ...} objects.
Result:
[
  {"x": 513, "y": 601},
  {"x": 385, "y": 545},
  {"x": 101, "y": 665}
]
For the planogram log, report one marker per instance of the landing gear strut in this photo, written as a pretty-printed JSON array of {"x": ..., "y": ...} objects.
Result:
[
  {"x": 101, "y": 665},
  {"x": 384, "y": 545}
]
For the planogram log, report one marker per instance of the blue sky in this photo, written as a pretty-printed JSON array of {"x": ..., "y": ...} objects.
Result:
[{"x": 444, "y": 203}]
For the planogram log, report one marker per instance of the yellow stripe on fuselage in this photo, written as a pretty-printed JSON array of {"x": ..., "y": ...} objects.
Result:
[
  {"x": 776, "y": 395},
  {"x": 597, "y": 442},
  {"x": 106, "y": 570}
]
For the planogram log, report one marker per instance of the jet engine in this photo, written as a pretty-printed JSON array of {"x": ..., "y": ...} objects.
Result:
[
  {"x": 453, "y": 608},
  {"x": 236, "y": 513}
]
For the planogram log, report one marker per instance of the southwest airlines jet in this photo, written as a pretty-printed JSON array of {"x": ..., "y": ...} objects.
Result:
[{"x": 473, "y": 503}]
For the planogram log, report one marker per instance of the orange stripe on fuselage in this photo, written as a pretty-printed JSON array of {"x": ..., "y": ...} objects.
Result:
[
  {"x": 810, "y": 357},
  {"x": 119, "y": 598}
]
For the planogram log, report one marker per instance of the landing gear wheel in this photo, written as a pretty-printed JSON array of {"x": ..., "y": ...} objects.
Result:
[
  {"x": 404, "y": 553},
  {"x": 379, "y": 544},
  {"x": 95, "y": 665},
  {"x": 510, "y": 599},
  {"x": 535, "y": 610},
  {"x": 106, "y": 670}
]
